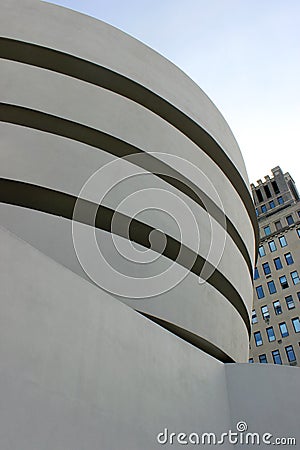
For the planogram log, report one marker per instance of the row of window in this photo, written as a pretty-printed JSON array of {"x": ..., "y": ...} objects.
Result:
[
  {"x": 277, "y": 264},
  {"x": 277, "y": 308},
  {"x": 278, "y": 225},
  {"x": 283, "y": 282},
  {"x": 267, "y": 191},
  {"x": 272, "y": 245},
  {"x": 277, "y": 357},
  {"x": 271, "y": 334},
  {"x": 272, "y": 205}
]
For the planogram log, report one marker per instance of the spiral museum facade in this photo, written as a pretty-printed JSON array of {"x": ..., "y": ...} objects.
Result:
[{"x": 131, "y": 190}]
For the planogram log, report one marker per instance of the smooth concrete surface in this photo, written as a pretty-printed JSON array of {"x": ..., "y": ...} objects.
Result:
[
  {"x": 108, "y": 47},
  {"x": 96, "y": 41},
  {"x": 82, "y": 371},
  {"x": 60, "y": 127},
  {"x": 113, "y": 114},
  {"x": 266, "y": 397},
  {"x": 81, "y": 366},
  {"x": 53, "y": 236}
]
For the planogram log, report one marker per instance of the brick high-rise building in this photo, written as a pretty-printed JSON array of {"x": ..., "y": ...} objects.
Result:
[
  {"x": 128, "y": 239},
  {"x": 276, "y": 307}
]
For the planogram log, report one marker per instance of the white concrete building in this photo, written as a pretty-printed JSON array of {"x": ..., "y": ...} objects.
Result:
[{"x": 128, "y": 241}]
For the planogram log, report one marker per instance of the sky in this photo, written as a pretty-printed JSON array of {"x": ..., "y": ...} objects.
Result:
[{"x": 245, "y": 55}]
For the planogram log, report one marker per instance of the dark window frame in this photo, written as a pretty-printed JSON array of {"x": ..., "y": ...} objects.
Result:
[
  {"x": 280, "y": 200},
  {"x": 266, "y": 268},
  {"x": 288, "y": 259},
  {"x": 286, "y": 332},
  {"x": 259, "y": 290},
  {"x": 296, "y": 277},
  {"x": 285, "y": 283},
  {"x": 277, "y": 308},
  {"x": 271, "y": 336},
  {"x": 272, "y": 246},
  {"x": 276, "y": 354},
  {"x": 296, "y": 319},
  {"x": 289, "y": 349},
  {"x": 289, "y": 300},
  {"x": 263, "y": 359},
  {"x": 258, "y": 333},
  {"x": 282, "y": 239},
  {"x": 267, "y": 230},
  {"x": 277, "y": 266}
]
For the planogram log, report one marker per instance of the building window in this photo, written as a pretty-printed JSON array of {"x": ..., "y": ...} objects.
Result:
[
  {"x": 283, "y": 282},
  {"x": 258, "y": 338},
  {"x": 271, "y": 287},
  {"x": 263, "y": 359},
  {"x": 251, "y": 361},
  {"x": 275, "y": 187},
  {"x": 261, "y": 251},
  {"x": 266, "y": 268},
  {"x": 263, "y": 208},
  {"x": 267, "y": 230},
  {"x": 295, "y": 277},
  {"x": 283, "y": 329},
  {"x": 282, "y": 241},
  {"x": 290, "y": 220},
  {"x": 277, "y": 307},
  {"x": 298, "y": 232},
  {"x": 278, "y": 225},
  {"x": 272, "y": 204},
  {"x": 259, "y": 195},
  {"x": 280, "y": 200},
  {"x": 265, "y": 312},
  {"x": 257, "y": 213},
  {"x": 271, "y": 334},
  {"x": 256, "y": 273},
  {"x": 277, "y": 263},
  {"x": 276, "y": 357},
  {"x": 267, "y": 191},
  {"x": 296, "y": 324},
  {"x": 254, "y": 317},
  {"x": 290, "y": 302},
  {"x": 289, "y": 259},
  {"x": 290, "y": 353},
  {"x": 260, "y": 292},
  {"x": 272, "y": 246}
]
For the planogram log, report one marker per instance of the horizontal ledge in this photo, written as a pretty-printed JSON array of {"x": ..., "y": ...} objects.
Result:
[
  {"x": 191, "y": 338},
  {"x": 95, "y": 74},
  {"x": 48, "y": 123},
  {"x": 57, "y": 203}
]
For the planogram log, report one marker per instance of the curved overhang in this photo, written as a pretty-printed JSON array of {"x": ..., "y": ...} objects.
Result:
[{"x": 54, "y": 82}]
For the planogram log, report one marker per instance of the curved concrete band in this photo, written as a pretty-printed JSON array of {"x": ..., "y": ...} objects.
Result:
[
  {"x": 100, "y": 76},
  {"x": 87, "y": 101},
  {"x": 51, "y": 124},
  {"x": 60, "y": 204}
]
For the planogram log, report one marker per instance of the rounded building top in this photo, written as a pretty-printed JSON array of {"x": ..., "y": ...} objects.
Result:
[{"x": 90, "y": 116}]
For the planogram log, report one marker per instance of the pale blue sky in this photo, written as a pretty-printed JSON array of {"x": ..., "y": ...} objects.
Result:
[{"x": 245, "y": 54}]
